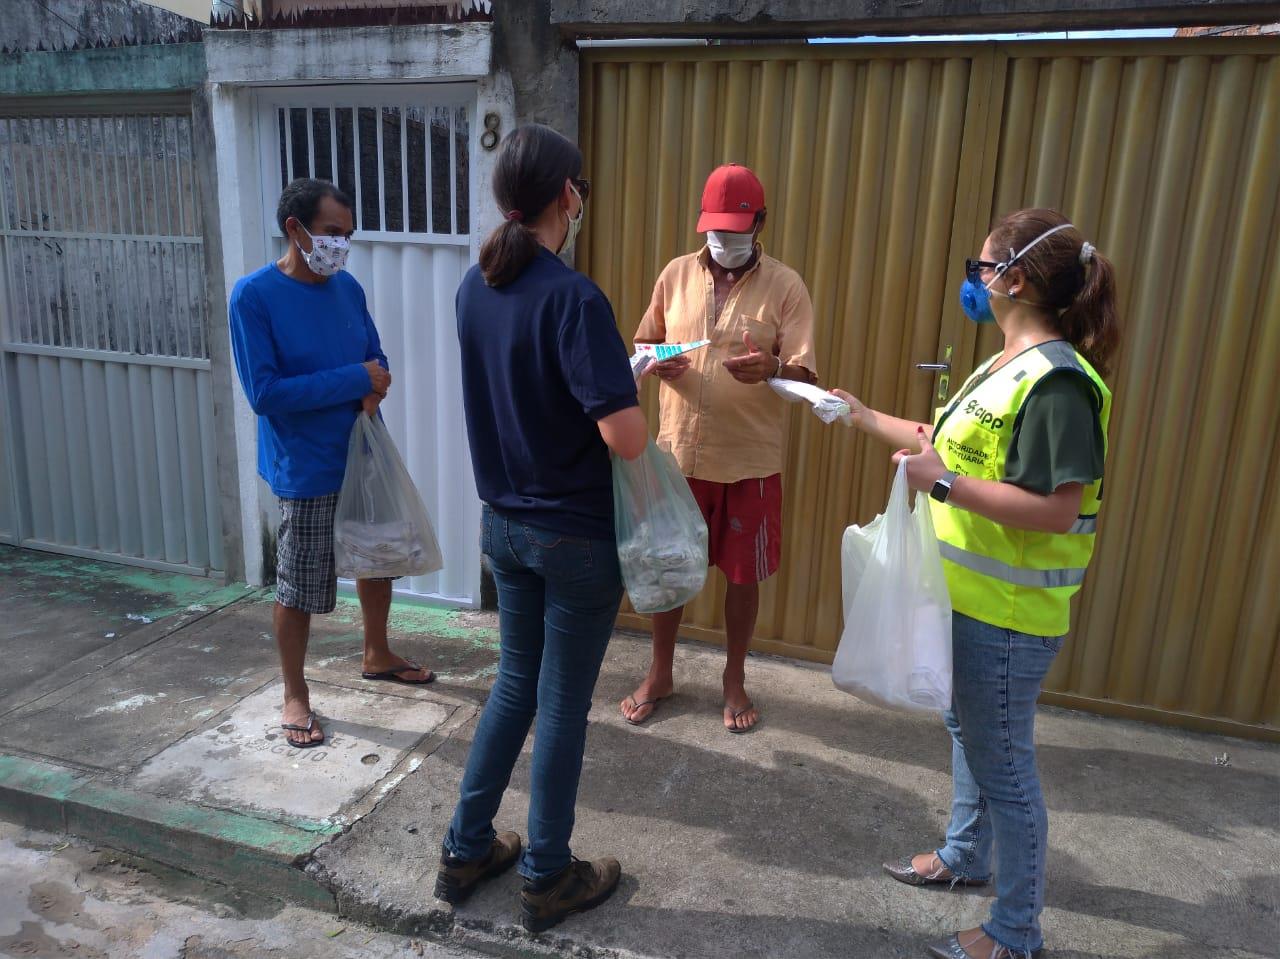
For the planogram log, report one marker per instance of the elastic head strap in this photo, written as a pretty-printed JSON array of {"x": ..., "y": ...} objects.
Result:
[{"x": 1002, "y": 268}]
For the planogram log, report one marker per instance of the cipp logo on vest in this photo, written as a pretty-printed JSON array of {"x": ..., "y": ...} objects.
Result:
[{"x": 986, "y": 419}]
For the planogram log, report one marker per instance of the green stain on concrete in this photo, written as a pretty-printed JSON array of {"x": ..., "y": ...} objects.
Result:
[
  {"x": 427, "y": 621},
  {"x": 79, "y": 580}
]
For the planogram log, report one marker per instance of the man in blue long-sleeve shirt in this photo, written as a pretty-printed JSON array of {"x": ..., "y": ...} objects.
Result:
[{"x": 310, "y": 361}]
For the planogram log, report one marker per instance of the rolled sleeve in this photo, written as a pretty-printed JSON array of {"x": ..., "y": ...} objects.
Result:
[{"x": 795, "y": 333}]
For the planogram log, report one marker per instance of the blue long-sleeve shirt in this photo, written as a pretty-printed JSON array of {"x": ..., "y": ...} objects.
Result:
[{"x": 299, "y": 349}]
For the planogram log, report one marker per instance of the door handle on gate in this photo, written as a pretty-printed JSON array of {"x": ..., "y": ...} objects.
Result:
[{"x": 943, "y": 367}]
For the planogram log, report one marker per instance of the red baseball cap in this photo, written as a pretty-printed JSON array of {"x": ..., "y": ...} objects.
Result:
[{"x": 730, "y": 200}]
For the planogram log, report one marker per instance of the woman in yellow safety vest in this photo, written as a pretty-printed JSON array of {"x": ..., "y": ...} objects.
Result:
[{"x": 1014, "y": 467}]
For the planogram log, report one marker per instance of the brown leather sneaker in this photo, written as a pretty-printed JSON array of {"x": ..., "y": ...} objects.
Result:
[
  {"x": 458, "y": 878},
  {"x": 581, "y": 886}
]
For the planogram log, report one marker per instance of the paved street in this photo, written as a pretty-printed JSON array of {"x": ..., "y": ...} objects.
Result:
[{"x": 61, "y": 898}]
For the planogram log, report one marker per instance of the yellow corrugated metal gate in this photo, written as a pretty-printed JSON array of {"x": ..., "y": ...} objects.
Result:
[{"x": 885, "y": 166}]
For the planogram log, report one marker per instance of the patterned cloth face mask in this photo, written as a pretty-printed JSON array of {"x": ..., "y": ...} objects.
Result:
[{"x": 328, "y": 254}]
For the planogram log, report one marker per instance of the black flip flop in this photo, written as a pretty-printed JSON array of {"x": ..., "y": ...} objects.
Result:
[
  {"x": 392, "y": 676},
  {"x": 310, "y": 743}
]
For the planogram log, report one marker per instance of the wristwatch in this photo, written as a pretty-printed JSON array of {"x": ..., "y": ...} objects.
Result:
[{"x": 942, "y": 489}]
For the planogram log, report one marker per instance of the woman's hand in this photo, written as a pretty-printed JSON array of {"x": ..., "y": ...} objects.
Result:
[
  {"x": 924, "y": 468},
  {"x": 856, "y": 409}
]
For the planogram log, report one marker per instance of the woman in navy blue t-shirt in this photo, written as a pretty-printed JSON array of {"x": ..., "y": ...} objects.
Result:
[{"x": 548, "y": 392}]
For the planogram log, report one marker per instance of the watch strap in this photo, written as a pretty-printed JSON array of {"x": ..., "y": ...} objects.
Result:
[{"x": 942, "y": 488}]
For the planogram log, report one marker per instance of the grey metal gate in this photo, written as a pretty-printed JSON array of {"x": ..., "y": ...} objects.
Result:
[{"x": 107, "y": 409}]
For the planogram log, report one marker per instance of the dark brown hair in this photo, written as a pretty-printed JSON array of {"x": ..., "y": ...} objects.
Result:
[
  {"x": 301, "y": 199},
  {"x": 533, "y": 163},
  {"x": 1080, "y": 289}
]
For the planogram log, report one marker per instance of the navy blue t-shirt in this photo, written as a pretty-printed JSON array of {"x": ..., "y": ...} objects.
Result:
[{"x": 542, "y": 361}]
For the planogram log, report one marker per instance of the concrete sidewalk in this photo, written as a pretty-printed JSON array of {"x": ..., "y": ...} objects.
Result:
[{"x": 158, "y": 741}]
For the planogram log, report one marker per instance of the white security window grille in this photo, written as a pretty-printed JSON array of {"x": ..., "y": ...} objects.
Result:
[
  {"x": 406, "y": 166},
  {"x": 101, "y": 231}
]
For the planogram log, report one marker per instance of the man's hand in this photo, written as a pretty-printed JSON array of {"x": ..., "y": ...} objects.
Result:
[
  {"x": 756, "y": 367},
  {"x": 671, "y": 369},
  {"x": 379, "y": 378},
  {"x": 370, "y": 403}
]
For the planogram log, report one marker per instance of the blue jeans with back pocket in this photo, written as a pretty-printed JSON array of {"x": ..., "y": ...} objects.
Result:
[
  {"x": 995, "y": 783},
  {"x": 558, "y": 597}
]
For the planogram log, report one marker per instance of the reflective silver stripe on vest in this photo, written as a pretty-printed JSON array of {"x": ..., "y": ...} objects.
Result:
[
  {"x": 1085, "y": 524},
  {"x": 1017, "y": 575}
]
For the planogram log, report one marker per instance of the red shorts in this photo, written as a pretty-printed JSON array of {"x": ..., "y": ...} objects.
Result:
[{"x": 744, "y": 526}]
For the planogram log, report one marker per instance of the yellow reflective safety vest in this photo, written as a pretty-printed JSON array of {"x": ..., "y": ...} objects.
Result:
[{"x": 1013, "y": 578}]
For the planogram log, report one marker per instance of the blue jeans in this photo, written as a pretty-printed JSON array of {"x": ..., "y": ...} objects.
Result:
[
  {"x": 558, "y": 597},
  {"x": 996, "y": 786}
]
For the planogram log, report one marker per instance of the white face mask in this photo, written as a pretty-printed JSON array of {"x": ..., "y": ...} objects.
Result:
[
  {"x": 730, "y": 250},
  {"x": 575, "y": 224},
  {"x": 328, "y": 254}
]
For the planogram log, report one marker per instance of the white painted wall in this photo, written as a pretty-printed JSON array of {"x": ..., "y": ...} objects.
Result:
[{"x": 243, "y": 250}]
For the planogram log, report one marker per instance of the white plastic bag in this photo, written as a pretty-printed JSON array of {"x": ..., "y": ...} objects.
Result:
[
  {"x": 662, "y": 537},
  {"x": 896, "y": 646},
  {"x": 381, "y": 528},
  {"x": 826, "y": 406}
]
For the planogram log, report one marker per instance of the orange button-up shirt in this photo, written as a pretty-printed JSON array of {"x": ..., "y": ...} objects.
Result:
[{"x": 717, "y": 428}]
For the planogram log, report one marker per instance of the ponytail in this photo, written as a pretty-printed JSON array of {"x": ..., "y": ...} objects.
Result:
[
  {"x": 532, "y": 166},
  {"x": 1091, "y": 323},
  {"x": 506, "y": 252}
]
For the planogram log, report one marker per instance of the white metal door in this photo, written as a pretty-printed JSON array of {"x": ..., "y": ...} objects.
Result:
[
  {"x": 403, "y": 153},
  {"x": 107, "y": 407}
]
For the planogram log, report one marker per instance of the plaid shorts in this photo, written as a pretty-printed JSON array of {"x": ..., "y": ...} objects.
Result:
[{"x": 305, "y": 577}]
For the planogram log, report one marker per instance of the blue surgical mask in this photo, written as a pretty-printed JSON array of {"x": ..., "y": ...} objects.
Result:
[{"x": 975, "y": 300}]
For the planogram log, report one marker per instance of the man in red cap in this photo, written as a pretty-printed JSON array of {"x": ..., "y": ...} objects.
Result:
[{"x": 724, "y": 425}]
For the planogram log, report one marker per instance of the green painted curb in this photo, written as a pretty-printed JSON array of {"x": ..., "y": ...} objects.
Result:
[
  {"x": 32, "y": 793},
  {"x": 259, "y": 855}
]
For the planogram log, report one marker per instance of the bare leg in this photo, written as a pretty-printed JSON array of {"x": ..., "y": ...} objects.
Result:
[
  {"x": 375, "y": 608},
  {"x": 293, "y": 629},
  {"x": 741, "y": 604},
  {"x": 659, "y": 684}
]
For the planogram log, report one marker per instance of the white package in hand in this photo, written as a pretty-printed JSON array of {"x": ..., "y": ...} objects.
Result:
[
  {"x": 826, "y": 406},
  {"x": 662, "y": 537},
  {"x": 895, "y": 650},
  {"x": 381, "y": 527}
]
